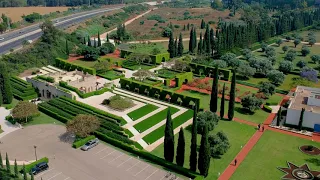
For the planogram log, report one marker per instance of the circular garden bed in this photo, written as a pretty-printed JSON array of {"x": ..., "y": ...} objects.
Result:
[{"x": 309, "y": 149}]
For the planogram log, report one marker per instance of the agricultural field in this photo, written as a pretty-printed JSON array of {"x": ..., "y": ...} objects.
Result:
[
  {"x": 16, "y": 13},
  {"x": 151, "y": 25}
]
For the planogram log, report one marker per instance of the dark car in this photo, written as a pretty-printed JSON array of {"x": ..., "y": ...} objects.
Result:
[{"x": 39, "y": 168}]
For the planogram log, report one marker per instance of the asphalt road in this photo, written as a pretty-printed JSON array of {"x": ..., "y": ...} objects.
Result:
[
  {"x": 102, "y": 162},
  {"x": 14, "y": 39}
]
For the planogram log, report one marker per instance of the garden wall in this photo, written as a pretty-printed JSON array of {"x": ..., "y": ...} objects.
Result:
[
  {"x": 22, "y": 90},
  {"x": 159, "y": 93}
]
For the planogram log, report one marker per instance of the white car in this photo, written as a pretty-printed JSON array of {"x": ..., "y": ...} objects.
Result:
[
  {"x": 1, "y": 38},
  {"x": 90, "y": 144}
]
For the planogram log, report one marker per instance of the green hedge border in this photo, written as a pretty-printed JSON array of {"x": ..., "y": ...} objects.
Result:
[
  {"x": 81, "y": 142},
  {"x": 80, "y": 94},
  {"x": 63, "y": 64},
  {"x": 31, "y": 165}
]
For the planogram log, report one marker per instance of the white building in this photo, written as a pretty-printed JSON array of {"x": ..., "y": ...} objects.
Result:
[{"x": 308, "y": 98}]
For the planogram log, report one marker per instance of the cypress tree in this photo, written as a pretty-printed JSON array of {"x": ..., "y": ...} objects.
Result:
[
  {"x": 99, "y": 40},
  {"x": 67, "y": 48},
  {"x": 193, "y": 147},
  {"x": 1, "y": 163},
  {"x": 169, "y": 139},
  {"x": 200, "y": 45},
  {"x": 16, "y": 171},
  {"x": 184, "y": 27},
  {"x": 180, "y": 45},
  {"x": 107, "y": 38},
  {"x": 191, "y": 50},
  {"x": 25, "y": 177},
  {"x": 181, "y": 148},
  {"x": 222, "y": 101},
  {"x": 8, "y": 164},
  {"x": 232, "y": 96},
  {"x": 89, "y": 41},
  {"x": 84, "y": 41},
  {"x": 188, "y": 26},
  {"x": 94, "y": 42},
  {"x": 207, "y": 41},
  {"x": 204, "y": 154},
  {"x": 194, "y": 39},
  {"x": 176, "y": 48},
  {"x": 301, "y": 119},
  {"x": 5, "y": 85},
  {"x": 214, "y": 92},
  {"x": 279, "y": 117},
  {"x": 203, "y": 24},
  {"x": 212, "y": 41},
  {"x": 171, "y": 46}
]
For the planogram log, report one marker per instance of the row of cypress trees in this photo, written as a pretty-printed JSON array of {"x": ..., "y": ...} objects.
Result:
[{"x": 175, "y": 47}]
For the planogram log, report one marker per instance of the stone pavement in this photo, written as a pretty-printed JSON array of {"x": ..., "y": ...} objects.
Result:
[{"x": 6, "y": 126}]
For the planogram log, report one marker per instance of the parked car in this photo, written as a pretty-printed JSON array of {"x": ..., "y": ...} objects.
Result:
[
  {"x": 1, "y": 38},
  {"x": 90, "y": 144},
  {"x": 39, "y": 168}
]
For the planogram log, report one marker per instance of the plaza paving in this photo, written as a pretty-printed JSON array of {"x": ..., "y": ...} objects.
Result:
[{"x": 100, "y": 163}]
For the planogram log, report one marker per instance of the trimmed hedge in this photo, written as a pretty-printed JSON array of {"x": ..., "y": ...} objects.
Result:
[
  {"x": 158, "y": 92},
  {"x": 182, "y": 78},
  {"x": 82, "y": 95},
  {"x": 55, "y": 112},
  {"x": 267, "y": 108},
  {"x": 63, "y": 64},
  {"x": 81, "y": 142},
  {"x": 149, "y": 156},
  {"x": 95, "y": 110},
  {"x": 31, "y": 165},
  {"x": 201, "y": 69},
  {"x": 22, "y": 90},
  {"x": 45, "y": 78},
  {"x": 156, "y": 59},
  {"x": 113, "y": 135}
]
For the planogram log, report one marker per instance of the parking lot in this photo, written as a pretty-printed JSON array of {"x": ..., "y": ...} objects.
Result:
[{"x": 65, "y": 163}]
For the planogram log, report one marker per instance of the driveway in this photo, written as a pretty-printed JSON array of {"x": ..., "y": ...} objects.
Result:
[{"x": 103, "y": 162}]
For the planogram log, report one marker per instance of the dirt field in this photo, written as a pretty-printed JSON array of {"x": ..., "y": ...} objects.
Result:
[
  {"x": 149, "y": 29},
  {"x": 15, "y": 13}
]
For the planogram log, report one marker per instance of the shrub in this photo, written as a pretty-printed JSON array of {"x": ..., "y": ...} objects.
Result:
[
  {"x": 119, "y": 103},
  {"x": 267, "y": 108},
  {"x": 30, "y": 166},
  {"x": 207, "y": 118},
  {"x": 251, "y": 103},
  {"x": 141, "y": 22},
  {"x": 176, "y": 26},
  {"x": 276, "y": 77},
  {"x": 267, "y": 88},
  {"x": 285, "y": 66},
  {"x": 166, "y": 32},
  {"x": 81, "y": 142}
]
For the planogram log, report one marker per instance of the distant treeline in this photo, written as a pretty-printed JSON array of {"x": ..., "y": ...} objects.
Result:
[
  {"x": 50, "y": 3},
  {"x": 282, "y": 3}
]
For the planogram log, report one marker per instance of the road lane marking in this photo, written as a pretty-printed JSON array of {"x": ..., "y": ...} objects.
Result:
[
  {"x": 124, "y": 161},
  {"x": 55, "y": 175},
  {"x": 142, "y": 170},
  {"x": 45, "y": 172},
  {"x": 108, "y": 154},
  {"x": 133, "y": 165},
  {"x": 151, "y": 174},
  {"x": 116, "y": 158}
]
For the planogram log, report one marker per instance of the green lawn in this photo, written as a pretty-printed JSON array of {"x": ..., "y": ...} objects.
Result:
[
  {"x": 258, "y": 117},
  {"x": 144, "y": 48},
  {"x": 241, "y": 89},
  {"x": 273, "y": 150},
  {"x": 84, "y": 63},
  {"x": 43, "y": 119},
  {"x": 238, "y": 135},
  {"x": 158, "y": 133},
  {"x": 128, "y": 132},
  {"x": 274, "y": 99},
  {"x": 165, "y": 73},
  {"x": 155, "y": 119},
  {"x": 144, "y": 110},
  {"x": 12, "y": 105},
  {"x": 111, "y": 75}
]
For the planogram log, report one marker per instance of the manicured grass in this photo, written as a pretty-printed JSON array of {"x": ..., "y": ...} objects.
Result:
[
  {"x": 144, "y": 110},
  {"x": 274, "y": 150},
  {"x": 84, "y": 63},
  {"x": 238, "y": 135},
  {"x": 241, "y": 89},
  {"x": 155, "y": 119},
  {"x": 12, "y": 105},
  {"x": 128, "y": 132},
  {"x": 274, "y": 99},
  {"x": 111, "y": 75},
  {"x": 258, "y": 117},
  {"x": 43, "y": 119},
  {"x": 165, "y": 73},
  {"x": 158, "y": 133}
]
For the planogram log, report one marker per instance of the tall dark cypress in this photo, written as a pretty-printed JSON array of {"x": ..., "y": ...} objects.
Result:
[
  {"x": 84, "y": 41},
  {"x": 169, "y": 139},
  {"x": 16, "y": 170},
  {"x": 1, "y": 98},
  {"x": 207, "y": 41},
  {"x": 212, "y": 41},
  {"x": 193, "y": 147},
  {"x": 89, "y": 41},
  {"x": 200, "y": 45},
  {"x": 94, "y": 42},
  {"x": 1, "y": 161},
  {"x": 108, "y": 38},
  {"x": 8, "y": 167},
  {"x": 214, "y": 92},
  {"x": 176, "y": 48},
  {"x": 194, "y": 39},
  {"x": 222, "y": 101},
  {"x": 180, "y": 45},
  {"x": 279, "y": 117},
  {"x": 232, "y": 96},
  {"x": 171, "y": 46},
  {"x": 191, "y": 50},
  {"x": 99, "y": 40},
  {"x": 181, "y": 148},
  {"x": 301, "y": 119},
  {"x": 67, "y": 48},
  {"x": 188, "y": 26},
  {"x": 204, "y": 154},
  {"x": 203, "y": 24},
  {"x": 25, "y": 177},
  {"x": 5, "y": 85}
]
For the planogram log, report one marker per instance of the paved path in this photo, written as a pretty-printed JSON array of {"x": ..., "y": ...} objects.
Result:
[{"x": 6, "y": 126}]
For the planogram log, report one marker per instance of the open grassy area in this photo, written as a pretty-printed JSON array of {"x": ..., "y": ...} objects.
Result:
[
  {"x": 144, "y": 110},
  {"x": 274, "y": 99},
  {"x": 304, "y": 34},
  {"x": 238, "y": 135},
  {"x": 273, "y": 150},
  {"x": 12, "y": 105},
  {"x": 258, "y": 117},
  {"x": 155, "y": 119},
  {"x": 43, "y": 119},
  {"x": 142, "y": 48},
  {"x": 158, "y": 133},
  {"x": 84, "y": 63}
]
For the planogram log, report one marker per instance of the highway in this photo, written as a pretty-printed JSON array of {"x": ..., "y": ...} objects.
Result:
[{"x": 14, "y": 39}]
